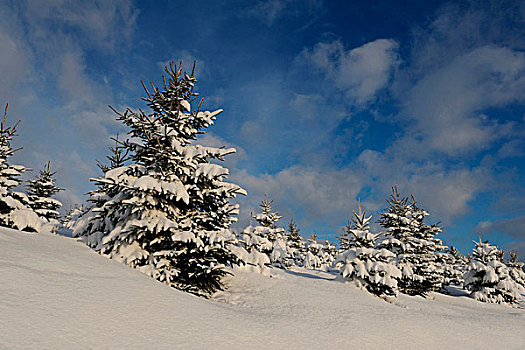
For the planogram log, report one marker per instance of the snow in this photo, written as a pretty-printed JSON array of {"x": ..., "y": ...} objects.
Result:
[{"x": 57, "y": 293}]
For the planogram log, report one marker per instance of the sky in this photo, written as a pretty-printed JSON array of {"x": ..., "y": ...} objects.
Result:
[{"x": 325, "y": 101}]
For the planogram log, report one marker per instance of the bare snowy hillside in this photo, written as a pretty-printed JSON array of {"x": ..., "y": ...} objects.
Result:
[{"x": 56, "y": 293}]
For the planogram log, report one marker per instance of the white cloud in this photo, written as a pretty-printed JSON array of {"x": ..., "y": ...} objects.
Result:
[
  {"x": 446, "y": 102},
  {"x": 13, "y": 65},
  {"x": 269, "y": 11},
  {"x": 103, "y": 24},
  {"x": 42, "y": 62},
  {"x": 360, "y": 72},
  {"x": 323, "y": 195},
  {"x": 445, "y": 193}
]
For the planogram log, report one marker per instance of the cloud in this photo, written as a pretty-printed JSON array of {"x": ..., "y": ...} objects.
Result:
[
  {"x": 512, "y": 227},
  {"x": 360, "y": 72},
  {"x": 43, "y": 64},
  {"x": 269, "y": 11},
  {"x": 445, "y": 193},
  {"x": 313, "y": 195},
  {"x": 13, "y": 65},
  {"x": 447, "y": 102},
  {"x": 101, "y": 24}
]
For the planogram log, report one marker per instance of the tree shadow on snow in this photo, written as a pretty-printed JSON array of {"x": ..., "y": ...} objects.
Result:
[{"x": 308, "y": 275}]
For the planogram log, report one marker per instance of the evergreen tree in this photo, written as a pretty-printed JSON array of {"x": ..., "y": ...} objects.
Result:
[
  {"x": 329, "y": 254},
  {"x": 257, "y": 248},
  {"x": 414, "y": 244},
  {"x": 516, "y": 271},
  {"x": 313, "y": 258},
  {"x": 267, "y": 218},
  {"x": 319, "y": 256},
  {"x": 97, "y": 220},
  {"x": 453, "y": 266},
  {"x": 371, "y": 268},
  {"x": 14, "y": 206},
  {"x": 266, "y": 237},
  {"x": 169, "y": 210},
  {"x": 296, "y": 245},
  {"x": 488, "y": 278},
  {"x": 40, "y": 192},
  {"x": 344, "y": 237}
]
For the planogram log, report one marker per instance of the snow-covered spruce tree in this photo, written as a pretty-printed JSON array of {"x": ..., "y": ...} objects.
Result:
[
  {"x": 266, "y": 237},
  {"x": 452, "y": 265},
  {"x": 314, "y": 254},
  {"x": 318, "y": 256},
  {"x": 97, "y": 220},
  {"x": 516, "y": 271},
  {"x": 14, "y": 206},
  {"x": 371, "y": 268},
  {"x": 329, "y": 254},
  {"x": 296, "y": 245},
  {"x": 171, "y": 216},
  {"x": 40, "y": 192},
  {"x": 257, "y": 249},
  {"x": 414, "y": 243},
  {"x": 488, "y": 277}
]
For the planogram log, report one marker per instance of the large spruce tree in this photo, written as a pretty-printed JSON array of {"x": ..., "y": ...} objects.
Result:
[{"x": 168, "y": 213}]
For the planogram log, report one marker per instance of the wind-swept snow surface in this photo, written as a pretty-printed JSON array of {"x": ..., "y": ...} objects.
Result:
[{"x": 56, "y": 293}]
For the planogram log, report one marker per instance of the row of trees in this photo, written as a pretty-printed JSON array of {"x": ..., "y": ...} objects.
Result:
[
  {"x": 162, "y": 206},
  {"x": 34, "y": 211},
  {"x": 407, "y": 257}
]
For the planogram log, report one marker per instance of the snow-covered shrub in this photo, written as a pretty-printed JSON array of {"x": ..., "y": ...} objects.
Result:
[
  {"x": 167, "y": 212},
  {"x": 371, "y": 268},
  {"x": 414, "y": 244},
  {"x": 14, "y": 206},
  {"x": 488, "y": 278}
]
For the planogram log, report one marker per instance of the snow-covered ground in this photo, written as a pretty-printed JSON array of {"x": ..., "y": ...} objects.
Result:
[{"x": 55, "y": 293}]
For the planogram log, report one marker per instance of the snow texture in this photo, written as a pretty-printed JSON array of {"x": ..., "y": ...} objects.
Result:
[{"x": 59, "y": 294}]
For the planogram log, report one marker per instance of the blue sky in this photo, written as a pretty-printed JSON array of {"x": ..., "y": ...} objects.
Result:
[{"x": 325, "y": 101}]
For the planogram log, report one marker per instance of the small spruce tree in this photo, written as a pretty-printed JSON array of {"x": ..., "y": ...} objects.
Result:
[
  {"x": 296, "y": 245},
  {"x": 40, "y": 192},
  {"x": 14, "y": 206},
  {"x": 488, "y": 278},
  {"x": 98, "y": 219},
  {"x": 256, "y": 249},
  {"x": 414, "y": 243},
  {"x": 516, "y": 271},
  {"x": 266, "y": 237},
  {"x": 371, "y": 268}
]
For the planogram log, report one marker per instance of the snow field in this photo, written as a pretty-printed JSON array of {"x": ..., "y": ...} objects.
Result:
[{"x": 56, "y": 293}]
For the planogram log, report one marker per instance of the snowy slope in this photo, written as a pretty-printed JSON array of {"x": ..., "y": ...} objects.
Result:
[{"x": 56, "y": 293}]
